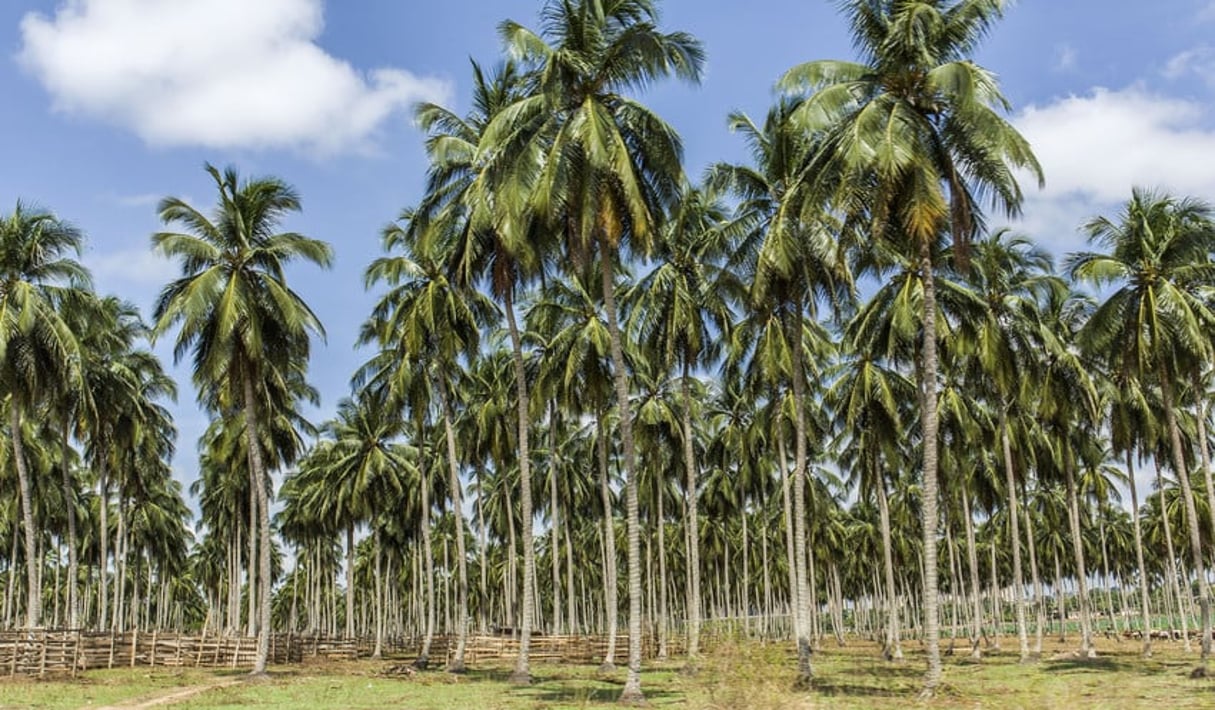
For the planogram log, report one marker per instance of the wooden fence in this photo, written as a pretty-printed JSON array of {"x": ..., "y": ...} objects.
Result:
[{"x": 43, "y": 652}]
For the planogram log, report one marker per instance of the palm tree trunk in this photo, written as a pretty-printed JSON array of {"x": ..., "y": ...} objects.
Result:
[
  {"x": 1073, "y": 514},
  {"x": 662, "y": 576},
  {"x": 611, "y": 605},
  {"x": 805, "y": 670},
  {"x": 522, "y": 672},
  {"x": 929, "y": 505},
  {"x": 972, "y": 562},
  {"x": 103, "y": 505},
  {"x": 33, "y": 604},
  {"x": 350, "y": 579},
  {"x": 378, "y": 651},
  {"x": 692, "y": 522},
  {"x": 1037, "y": 580},
  {"x": 632, "y": 687},
  {"x": 1018, "y": 583},
  {"x": 1144, "y": 604},
  {"x": 894, "y": 649},
  {"x": 554, "y": 547},
  {"x": 1191, "y": 514},
  {"x": 69, "y": 502},
  {"x": 252, "y": 566},
  {"x": 787, "y": 500},
  {"x": 1204, "y": 449},
  {"x": 263, "y": 513},
  {"x": 457, "y": 663}
]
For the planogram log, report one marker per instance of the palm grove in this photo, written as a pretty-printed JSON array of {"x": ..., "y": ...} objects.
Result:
[{"x": 812, "y": 395}]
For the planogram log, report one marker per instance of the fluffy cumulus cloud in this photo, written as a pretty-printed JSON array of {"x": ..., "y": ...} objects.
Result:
[
  {"x": 214, "y": 73},
  {"x": 1095, "y": 147}
]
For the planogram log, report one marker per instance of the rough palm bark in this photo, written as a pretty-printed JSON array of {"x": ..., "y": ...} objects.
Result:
[
  {"x": 33, "y": 604},
  {"x": 894, "y": 647},
  {"x": 1073, "y": 515},
  {"x": 805, "y": 669},
  {"x": 1191, "y": 514},
  {"x": 69, "y": 497},
  {"x": 350, "y": 579},
  {"x": 972, "y": 563},
  {"x": 453, "y": 481},
  {"x": 632, "y": 687},
  {"x": 1014, "y": 532},
  {"x": 932, "y": 631},
  {"x": 693, "y": 524},
  {"x": 522, "y": 672},
  {"x": 263, "y": 514},
  {"x": 1144, "y": 604},
  {"x": 609, "y": 563}
]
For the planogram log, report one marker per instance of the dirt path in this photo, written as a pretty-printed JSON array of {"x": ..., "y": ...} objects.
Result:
[{"x": 173, "y": 696}]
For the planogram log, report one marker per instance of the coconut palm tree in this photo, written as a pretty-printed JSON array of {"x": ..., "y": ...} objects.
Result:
[
  {"x": 681, "y": 314},
  {"x": 610, "y": 168},
  {"x": 913, "y": 140},
  {"x": 1158, "y": 261},
  {"x": 236, "y": 315},
  {"x": 39, "y": 279}
]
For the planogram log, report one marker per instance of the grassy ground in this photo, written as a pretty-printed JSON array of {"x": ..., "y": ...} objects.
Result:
[{"x": 734, "y": 675}]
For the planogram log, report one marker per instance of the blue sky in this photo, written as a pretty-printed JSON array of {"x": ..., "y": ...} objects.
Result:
[{"x": 109, "y": 105}]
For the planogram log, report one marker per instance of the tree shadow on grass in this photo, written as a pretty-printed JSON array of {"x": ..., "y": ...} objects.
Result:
[
  {"x": 1101, "y": 663},
  {"x": 596, "y": 695},
  {"x": 854, "y": 690}
]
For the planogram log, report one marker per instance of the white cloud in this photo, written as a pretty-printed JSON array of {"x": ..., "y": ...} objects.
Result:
[
  {"x": 1065, "y": 58},
  {"x": 214, "y": 73},
  {"x": 132, "y": 267},
  {"x": 1094, "y": 148},
  {"x": 1199, "y": 61}
]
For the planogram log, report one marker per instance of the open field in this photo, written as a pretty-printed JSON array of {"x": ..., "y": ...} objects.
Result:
[{"x": 745, "y": 675}]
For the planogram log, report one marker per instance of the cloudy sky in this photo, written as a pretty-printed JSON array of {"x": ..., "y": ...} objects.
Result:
[{"x": 109, "y": 105}]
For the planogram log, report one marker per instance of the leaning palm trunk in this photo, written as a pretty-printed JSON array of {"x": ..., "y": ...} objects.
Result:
[
  {"x": 33, "y": 604},
  {"x": 1039, "y": 612},
  {"x": 522, "y": 672},
  {"x": 1191, "y": 514},
  {"x": 1173, "y": 574},
  {"x": 632, "y": 687},
  {"x": 1144, "y": 605},
  {"x": 457, "y": 663},
  {"x": 932, "y": 631},
  {"x": 1073, "y": 514},
  {"x": 263, "y": 514},
  {"x": 1015, "y": 536},
  {"x": 692, "y": 524}
]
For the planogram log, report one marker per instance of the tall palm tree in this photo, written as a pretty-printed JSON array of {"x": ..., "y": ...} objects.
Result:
[
  {"x": 1158, "y": 261},
  {"x": 498, "y": 245},
  {"x": 913, "y": 140},
  {"x": 39, "y": 279},
  {"x": 243, "y": 325},
  {"x": 610, "y": 165},
  {"x": 680, "y": 312},
  {"x": 431, "y": 321}
]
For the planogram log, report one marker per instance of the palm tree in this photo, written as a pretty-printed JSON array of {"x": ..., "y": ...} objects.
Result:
[
  {"x": 471, "y": 175},
  {"x": 609, "y": 167},
  {"x": 431, "y": 322},
  {"x": 38, "y": 351},
  {"x": 237, "y": 316},
  {"x": 912, "y": 141},
  {"x": 1158, "y": 261},
  {"x": 681, "y": 314}
]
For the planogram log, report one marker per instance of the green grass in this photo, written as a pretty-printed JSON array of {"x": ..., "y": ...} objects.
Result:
[{"x": 733, "y": 675}]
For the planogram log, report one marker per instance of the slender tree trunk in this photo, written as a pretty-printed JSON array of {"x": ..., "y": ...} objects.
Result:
[
  {"x": 350, "y": 579},
  {"x": 632, "y": 687},
  {"x": 1144, "y": 603},
  {"x": 522, "y": 672},
  {"x": 378, "y": 651},
  {"x": 1073, "y": 514},
  {"x": 929, "y": 506},
  {"x": 252, "y": 566},
  {"x": 1173, "y": 573},
  {"x": 662, "y": 577},
  {"x": 1015, "y": 537},
  {"x": 1191, "y": 515},
  {"x": 571, "y": 599},
  {"x": 33, "y": 604},
  {"x": 611, "y": 605},
  {"x": 894, "y": 649},
  {"x": 103, "y": 506},
  {"x": 1037, "y": 580},
  {"x": 483, "y": 591},
  {"x": 554, "y": 546},
  {"x": 263, "y": 505},
  {"x": 457, "y": 663},
  {"x": 693, "y": 525},
  {"x": 1204, "y": 449},
  {"x": 787, "y": 500},
  {"x": 69, "y": 502},
  {"x": 972, "y": 561},
  {"x": 805, "y": 670}
]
